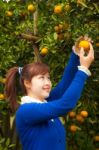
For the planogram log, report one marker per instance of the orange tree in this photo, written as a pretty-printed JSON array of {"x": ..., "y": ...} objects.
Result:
[{"x": 45, "y": 30}]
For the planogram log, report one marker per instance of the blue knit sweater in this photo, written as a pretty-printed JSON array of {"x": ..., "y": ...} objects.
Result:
[{"x": 38, "y": 125}]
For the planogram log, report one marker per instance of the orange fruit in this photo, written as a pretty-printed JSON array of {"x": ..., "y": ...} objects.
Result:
[
  {"x": 31, "y": 8},
  {"x": 84, "y": 113},
  {"x": 73, "y": 128},
  {"x": 72, "y": 114},
  {"x": 79, "y": 118},
  {"x": 96, "y": 138},
  {"x": 9, "y": 13},
  {"x": 44, "y": 51},
  {"x": 58, "y": 9},
  {"x": 97, "y": 44},
  {"x": 3, "y": 80},
  {"x": 67, "y": 7},
  {"x": 56, "y": 28},
  {"x": 2, "y": 96},
  {"x": 60, "y": 26},
  {"x": 85, "y": 44}
]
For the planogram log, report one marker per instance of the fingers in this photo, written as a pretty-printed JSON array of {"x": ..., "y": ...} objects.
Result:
[
  {"x": 91, "y": 51},
  {"x": 88, "y": 38},
  {"x": 76, "y": 46},
  {"x": 82, "y": 52},
  {"x": 79, "y": 39},
  {"x": 73, "y": 48}
]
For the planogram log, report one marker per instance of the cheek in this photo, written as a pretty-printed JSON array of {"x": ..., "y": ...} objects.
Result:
[{"x": 50, "y": 83}]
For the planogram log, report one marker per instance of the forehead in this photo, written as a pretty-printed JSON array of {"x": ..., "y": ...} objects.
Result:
[
  {"x": 44, "y": 74},
  {"x": 39, "y": 75}
]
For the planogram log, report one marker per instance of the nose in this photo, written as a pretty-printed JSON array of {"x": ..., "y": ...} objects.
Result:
[{"x": 48, "y": 83}]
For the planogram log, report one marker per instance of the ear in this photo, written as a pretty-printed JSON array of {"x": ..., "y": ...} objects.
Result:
[{"x": 27, "y": 84}]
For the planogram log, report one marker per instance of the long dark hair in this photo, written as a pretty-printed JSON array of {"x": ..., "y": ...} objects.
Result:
[{"x": 27, "y": 73}]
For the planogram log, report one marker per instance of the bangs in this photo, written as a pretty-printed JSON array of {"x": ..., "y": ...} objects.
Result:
[{"x": 39, "y": 68}]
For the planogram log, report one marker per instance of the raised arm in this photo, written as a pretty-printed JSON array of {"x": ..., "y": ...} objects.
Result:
[
  {"x": 68, "y": 75},
  {"x": 33, "y": 113},
  {"x": 36, "y": 112}
]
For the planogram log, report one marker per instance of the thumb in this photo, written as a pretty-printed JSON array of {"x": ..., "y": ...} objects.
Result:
[{"x": 82, "y": 52}]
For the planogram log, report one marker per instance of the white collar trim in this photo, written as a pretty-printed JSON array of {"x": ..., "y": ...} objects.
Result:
[{"x": 28, "y": 99}]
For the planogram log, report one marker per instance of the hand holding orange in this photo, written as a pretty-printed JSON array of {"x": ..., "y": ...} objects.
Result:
[
  {"x": 85, "y": 44},
  {"x": 82, "y": 42}
]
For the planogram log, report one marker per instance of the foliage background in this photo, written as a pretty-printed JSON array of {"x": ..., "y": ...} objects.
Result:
[{"x": 76, "y": 18}]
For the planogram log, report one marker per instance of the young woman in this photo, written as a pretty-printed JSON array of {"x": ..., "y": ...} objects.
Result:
[{"x": 37, "y": 121}]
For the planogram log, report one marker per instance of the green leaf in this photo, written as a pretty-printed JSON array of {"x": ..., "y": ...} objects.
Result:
[
  {"x": 7, "y": 142},
  {"x": 83, "y": 4},
  {"x": 96, "y": 6},
  {"x": 2, "y": 140},
  {"x": 12, "y": 145},
  {"x": 55, "y": 36}
]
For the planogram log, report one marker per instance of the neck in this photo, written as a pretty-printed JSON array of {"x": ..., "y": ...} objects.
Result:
[{"x": 36, "y": 97}]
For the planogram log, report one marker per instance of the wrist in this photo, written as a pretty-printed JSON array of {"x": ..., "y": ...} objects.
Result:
[{"x": 85, "y": 70}]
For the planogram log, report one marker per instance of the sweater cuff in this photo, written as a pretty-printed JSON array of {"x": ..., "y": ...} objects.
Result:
[{"x": 84, "y": 69}]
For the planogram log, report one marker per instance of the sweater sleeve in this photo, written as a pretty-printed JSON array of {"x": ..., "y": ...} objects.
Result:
[
  {"x": 68, "y": 75},
  {"x": 32, "y": 113}
]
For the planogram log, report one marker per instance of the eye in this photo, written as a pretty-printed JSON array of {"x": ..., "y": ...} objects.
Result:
[
  {"x": 48, "y": 77},
  {"x": 42, "y": 77}
]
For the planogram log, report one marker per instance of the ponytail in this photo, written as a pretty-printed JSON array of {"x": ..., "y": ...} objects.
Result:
[{"x": 10, "y": 88}]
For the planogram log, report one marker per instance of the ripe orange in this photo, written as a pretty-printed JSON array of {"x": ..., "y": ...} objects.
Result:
[
  {"x": 85, "y": 44},
  {"x": 31, "y": 8},
  {"x": 79, "y": 118},
  {"x": 84, "y": 113},
  {"x": 44, "y": 51},
  {"x": 96, "y": 138},
  {"x": 72, "y": 114},
  {"x": 58, "y": 9},
  {"x": 9, "y": 13},
  {"x": 2, "y": 96},
  {"x": 73, "y": 128},
  {"x": 60, "y": 26},
  {"x": 56, "y": 28},
  {"x": 97, "y": 44},
  {"x": 3, "y": 80}
]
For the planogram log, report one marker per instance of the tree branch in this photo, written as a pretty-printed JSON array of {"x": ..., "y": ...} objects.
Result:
[
  {"x": 36, "y": 53},
  {"x": 28, "y": 37}
]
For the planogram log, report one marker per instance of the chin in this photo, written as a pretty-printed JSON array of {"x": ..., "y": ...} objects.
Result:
[{"x": 46, "y": 95}]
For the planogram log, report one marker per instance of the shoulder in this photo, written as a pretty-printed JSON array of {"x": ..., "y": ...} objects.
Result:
[{"x": 27, "y": 109}]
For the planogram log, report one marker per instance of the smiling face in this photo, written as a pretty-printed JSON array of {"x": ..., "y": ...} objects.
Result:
[{"x": 39, "y": 87}]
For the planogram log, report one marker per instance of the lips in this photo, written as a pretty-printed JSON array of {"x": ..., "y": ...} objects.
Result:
[{"x": 47, "y": 89}]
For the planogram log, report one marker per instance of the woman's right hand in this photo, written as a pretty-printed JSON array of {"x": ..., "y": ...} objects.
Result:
[
  {"x": 86, "y": 60},
  {"x": 75, "y": 48}
]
